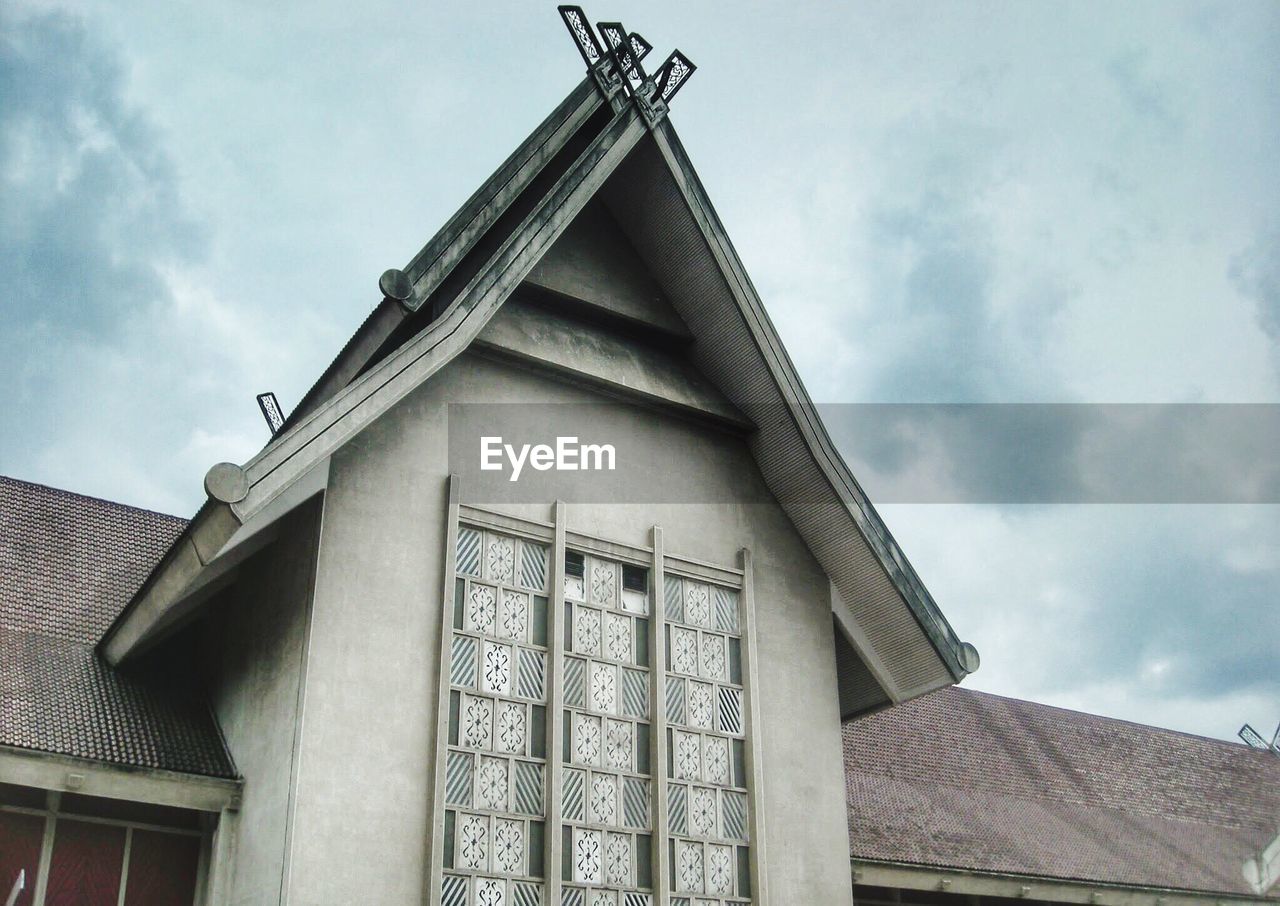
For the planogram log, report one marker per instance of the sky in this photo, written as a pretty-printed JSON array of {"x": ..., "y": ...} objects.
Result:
[{"x": 939, "y": 203}]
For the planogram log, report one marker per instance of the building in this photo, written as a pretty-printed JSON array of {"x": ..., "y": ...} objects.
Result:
[
  {"x": 379, "y": 665},
  {"x": 962, "y": 798}
]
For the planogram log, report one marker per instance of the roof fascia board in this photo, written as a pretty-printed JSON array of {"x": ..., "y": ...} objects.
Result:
[
  {"x": 179, "y": 567},
  {"x": 296, "y": 450},
  {"x": 1032, "y": 887},
  {"x": 149, "y": 625},
  {"x": 836, "y": 472},
  {"x": 457, "y": 237},
  {"x": 49, "y": 771},
  {"x": 386, "y": 316},
  {"x": 314, "y": 481}
]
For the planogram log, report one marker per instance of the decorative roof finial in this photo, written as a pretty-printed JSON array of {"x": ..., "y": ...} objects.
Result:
[
  {"x": 615, "y": 63},
  {"x": 271, "y": 411}
]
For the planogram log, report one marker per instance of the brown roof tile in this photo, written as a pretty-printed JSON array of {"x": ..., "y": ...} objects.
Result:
[
  {"x": 68, "y": 564},
  {"x": 969, "y": 780}
]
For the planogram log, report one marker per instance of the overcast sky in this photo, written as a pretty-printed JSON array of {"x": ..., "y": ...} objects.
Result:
[{"x": 940, "y": 202}]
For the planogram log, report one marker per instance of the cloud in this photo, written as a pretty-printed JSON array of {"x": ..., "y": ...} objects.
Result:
[
  {"x": 1061, "y": 453},
  {"x": 946, "y": 347},
  {"x": 111, "y": 339},
  {"x": 91, "y": 201},
  {"x": 1147, "y": 98},
  {"x": 1154, "y": 613},
  {"x": 1256, "y": 273}
]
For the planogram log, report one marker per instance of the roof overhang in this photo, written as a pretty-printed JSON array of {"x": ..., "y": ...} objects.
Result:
[
  {"x": 906, "y": 876},
  {"x": 47, "y": 771},
  {"x": 202, "y": 561}
]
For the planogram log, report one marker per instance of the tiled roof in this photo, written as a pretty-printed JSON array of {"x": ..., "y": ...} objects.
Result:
[
  {"x": 68, "y": 564},
  {"x": 968, "y": 780}
]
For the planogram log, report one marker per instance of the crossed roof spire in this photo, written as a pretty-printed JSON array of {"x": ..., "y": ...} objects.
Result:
[{"x": 614, "y": 59}]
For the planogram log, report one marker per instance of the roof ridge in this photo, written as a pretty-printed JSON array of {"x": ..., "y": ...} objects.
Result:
[{"x": 102, "y": 500}]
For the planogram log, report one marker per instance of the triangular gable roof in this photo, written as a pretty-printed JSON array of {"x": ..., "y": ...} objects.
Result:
[{"x": 640, "y": 169}]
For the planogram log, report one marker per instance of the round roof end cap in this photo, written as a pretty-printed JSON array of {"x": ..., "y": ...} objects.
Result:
[
  {"x": 395, "y": 284},
  {"x": 969, "y": 659},
  {"x": 226, "y": 482}
]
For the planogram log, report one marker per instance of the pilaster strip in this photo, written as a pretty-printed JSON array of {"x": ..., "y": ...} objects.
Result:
[
  {"x": 658, "y": 710},
  {"x": 555, "y": 706},
  {"x": 755, "y": 760},
  {"x": 435, "y": 835}
]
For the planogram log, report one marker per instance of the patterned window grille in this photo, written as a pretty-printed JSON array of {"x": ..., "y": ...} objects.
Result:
[
  {"x": 707, "y": 821},
  {"x": 495, "y": 757},
  {"x": 497, "y": 773},
  {"x": 607, "y": 782}
]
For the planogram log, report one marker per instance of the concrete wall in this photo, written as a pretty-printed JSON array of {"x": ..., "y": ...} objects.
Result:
[
  {"x": 367, "y": 745},
  {"x": 365, "y": 762},
  {"x": 593, "y": 262},
  {"x": 253, "y": 641}
]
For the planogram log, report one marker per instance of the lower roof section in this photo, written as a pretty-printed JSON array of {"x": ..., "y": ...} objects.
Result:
[
  {"x": 94, "y": 788},
  {"x": 964, "y": 780},
  {"x": 68, "y": 564},
  {"x": 61, "y": 697}
]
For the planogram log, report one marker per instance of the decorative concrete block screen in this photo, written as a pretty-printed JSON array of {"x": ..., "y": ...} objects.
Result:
[
  {"x": 607, "y": 782},
  {"x": 496, "y": 750},
  {"x": 596, "y": 740},
  {"x": 706, "y": 766}
]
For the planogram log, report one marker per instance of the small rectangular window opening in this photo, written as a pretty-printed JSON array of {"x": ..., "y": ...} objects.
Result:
[{"x": 635, "y": 578}]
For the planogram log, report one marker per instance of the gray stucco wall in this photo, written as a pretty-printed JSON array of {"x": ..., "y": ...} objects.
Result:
[
  {"x": 594, "y": 262},
  {"x": 254, "y": 641},
  {"x": 365, "y": 759},
  {"x": 366, "y": 745}
]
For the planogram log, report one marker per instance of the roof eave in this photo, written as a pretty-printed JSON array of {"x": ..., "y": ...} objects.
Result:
[
  {"x": 959, "y": 658},
  {"x": 202, "y": 561},
  {"x": 956, "y": 880},
  {"x": 52, "y": 771}
]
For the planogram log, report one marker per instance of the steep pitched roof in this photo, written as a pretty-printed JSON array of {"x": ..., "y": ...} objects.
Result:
[
  {"x": 968, "y": 780},
  {"x": 607, "y": 149},
  {"x": 67, "y": 565},
  {"x": 561, "y": 134}
]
